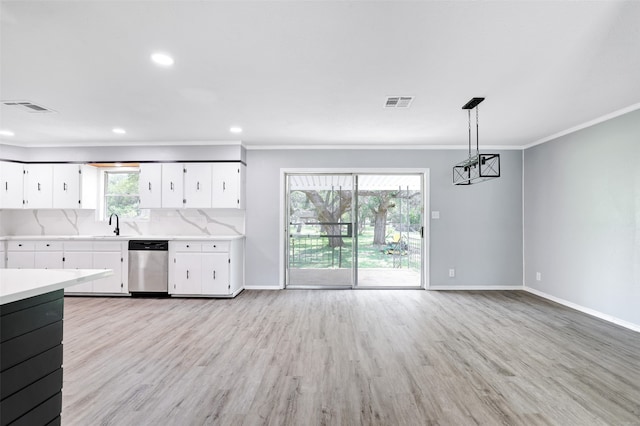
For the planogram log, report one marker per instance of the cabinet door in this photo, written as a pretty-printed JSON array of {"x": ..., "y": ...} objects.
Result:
[
  {"x": 21, "y": 259},
  {"x": 48, "y": 260},
  {"x": 66, "y": 186},
  {"x": 187, "y": 274},
  {"x": 39, "y": 186},
  {"x": 79, "y": 260},
  {"x": 11, "y": 179},
  {"x": 215, "y": 273},
  {"x": 226, "y": 185},
  {"x": 197, "y": 185},
  {"x": 150, "y": 185},
  {"x": 108, "y": 260},
  {"x": 172, "y": 185}
]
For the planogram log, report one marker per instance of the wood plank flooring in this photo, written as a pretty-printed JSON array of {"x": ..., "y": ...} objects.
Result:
[{"x": 331, "y": 357}]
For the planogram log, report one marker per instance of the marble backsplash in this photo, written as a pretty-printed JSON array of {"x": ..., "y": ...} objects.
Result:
[{"x": 183, "y": 222}]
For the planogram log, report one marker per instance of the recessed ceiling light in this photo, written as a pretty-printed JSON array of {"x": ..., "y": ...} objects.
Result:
[
  {"x": 6, "y": 133},
  {"x": 118, "y": 130},
  {"x": 162, "y": 59},
  {"x": 236, "y": 129}
]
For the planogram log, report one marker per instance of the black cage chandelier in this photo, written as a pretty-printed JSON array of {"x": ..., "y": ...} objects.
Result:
[{"x": 479, "y": 167}]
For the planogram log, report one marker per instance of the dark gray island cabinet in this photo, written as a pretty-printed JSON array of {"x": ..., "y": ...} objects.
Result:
[{"x": 31, "y": 314}]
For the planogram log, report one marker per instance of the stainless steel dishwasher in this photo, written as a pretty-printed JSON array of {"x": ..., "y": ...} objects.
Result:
[{"x": 148, "y": 266}]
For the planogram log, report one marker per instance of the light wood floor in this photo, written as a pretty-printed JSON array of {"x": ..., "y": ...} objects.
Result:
[{"x": 331, "y": 357}]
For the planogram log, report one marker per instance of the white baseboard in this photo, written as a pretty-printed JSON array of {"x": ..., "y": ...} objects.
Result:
[
  {"x": 262, "y": 287},
  {"x": 475, "y": 287},
  {"x": 588, "y": 311}
]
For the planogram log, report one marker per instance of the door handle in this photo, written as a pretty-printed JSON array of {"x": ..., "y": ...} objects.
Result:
[
  {"x": 64, "y": 186},
  {"x": 6, "y": 186},
  {"x": 349, "y": 230},
  {"x": 224, "y": 186},
  {"x": 198, "y": 186},
  {"x": 149, "y": 186},
  {"x": 172, "y": 186},
  {"x": 38, "y": 186},
  {"x": 187, "y": 274},
  {"x": 214, "y": 274}
]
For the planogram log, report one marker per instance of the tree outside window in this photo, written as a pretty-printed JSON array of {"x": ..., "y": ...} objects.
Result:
[{"x": 121, "y": 195}]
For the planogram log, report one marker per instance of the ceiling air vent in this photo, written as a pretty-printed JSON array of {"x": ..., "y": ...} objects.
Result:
[
  {"x": 398, "y": 101},
  {"x": 27, "y": 106}
]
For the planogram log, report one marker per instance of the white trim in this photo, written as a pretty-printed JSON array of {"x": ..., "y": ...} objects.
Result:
[
  {"x": 282, "y": 228},
  {"x": 475, "y": 287},
  {"x": 363, "y": 146},
  {"x": 593, "y": 122},
  {"x": 262, "y": 287},
  {"x": 522, "y": 223},
  {"x": 588, "y": 311}
]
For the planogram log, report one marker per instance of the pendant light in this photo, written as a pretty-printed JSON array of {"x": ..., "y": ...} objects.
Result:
[{"x": 478, "y": 167}]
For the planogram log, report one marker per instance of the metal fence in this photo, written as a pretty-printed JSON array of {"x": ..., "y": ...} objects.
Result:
[
  {"x": 314, "y": 251},
  {"x": 306, "y": 251}
]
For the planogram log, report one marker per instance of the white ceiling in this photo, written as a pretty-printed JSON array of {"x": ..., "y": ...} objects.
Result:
[{"x": 314, "y": 72}]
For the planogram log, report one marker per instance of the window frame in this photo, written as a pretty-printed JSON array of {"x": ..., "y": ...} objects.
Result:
[{"x": 143, "y": 215}]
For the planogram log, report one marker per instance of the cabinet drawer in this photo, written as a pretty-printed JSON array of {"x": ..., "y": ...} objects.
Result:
[
  {"x": 21, "y": 246},
  {"x": 48, "y": 245},
  {"x": 188, "y": 246},
  {"x": 78, "y": 246},
  {"x": 107, "y": 246},
  {"x": 216, "y": 247}
]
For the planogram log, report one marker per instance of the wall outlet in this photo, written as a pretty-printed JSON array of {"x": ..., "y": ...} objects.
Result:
[
  {"x": 452, "y": 273},
  {"x": 538, "y": 276}
]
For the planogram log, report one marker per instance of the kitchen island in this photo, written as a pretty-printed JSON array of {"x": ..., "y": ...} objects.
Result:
[{"x": 31, "y": 313}]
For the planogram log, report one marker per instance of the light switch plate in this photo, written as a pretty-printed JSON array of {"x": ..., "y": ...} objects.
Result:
[{"x": 435, "y": 214}]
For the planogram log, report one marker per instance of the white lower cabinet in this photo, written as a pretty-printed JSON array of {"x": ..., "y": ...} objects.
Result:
[
  {"x": 215, "y": 273},
  {"x": 35, "y": 254},
  {"x": 107, "y": 255},
  {"x": 21, "y": 254},
  {"x": 207, "y": 268},
  {"x": 98, "y": 255},
  {"x": 211, "y": 268},
  {"x": 48, "y": 255},
  {"x": 78, "y": 256},
  {"x": 187, "y": 277}
]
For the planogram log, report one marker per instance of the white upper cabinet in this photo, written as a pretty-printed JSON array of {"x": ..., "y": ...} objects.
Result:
[
  {"x": 66, "y": 186},
  {"x": 150, "y": 185},
  {"x": 197, "y": 185},
  {"x": 11, "y": 179},
  {"x": 38, "y": 186},
  {"x": 172, "y": 185},
  {"x": 227, "y": 181},
  {"x": 75, "y": 186},
  {"x": 46, "y": 186},
  {"x": 88, "y": 187}
]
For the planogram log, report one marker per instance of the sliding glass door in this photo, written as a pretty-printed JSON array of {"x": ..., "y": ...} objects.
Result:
[
  {"x": 354, "y": 230},
  {"x": 390, "y": 230},
  {"x": 320, "y": 230}
]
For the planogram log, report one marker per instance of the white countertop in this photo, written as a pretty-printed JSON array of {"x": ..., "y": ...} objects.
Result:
[
  {"x": 18, "y": 284},
  {"x": 120, "y": 237}
]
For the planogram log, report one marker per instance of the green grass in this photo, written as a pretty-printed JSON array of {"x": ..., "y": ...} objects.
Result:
[{"x": 313, "y": 252}]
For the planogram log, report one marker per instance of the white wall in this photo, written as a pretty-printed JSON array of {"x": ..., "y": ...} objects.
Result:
[
  {"x": 582, "y": 218},
  {"x": 479, "y": 232}
]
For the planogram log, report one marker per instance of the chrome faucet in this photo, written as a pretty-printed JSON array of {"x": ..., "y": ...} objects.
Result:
[{"x": 117, "y": 230}]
